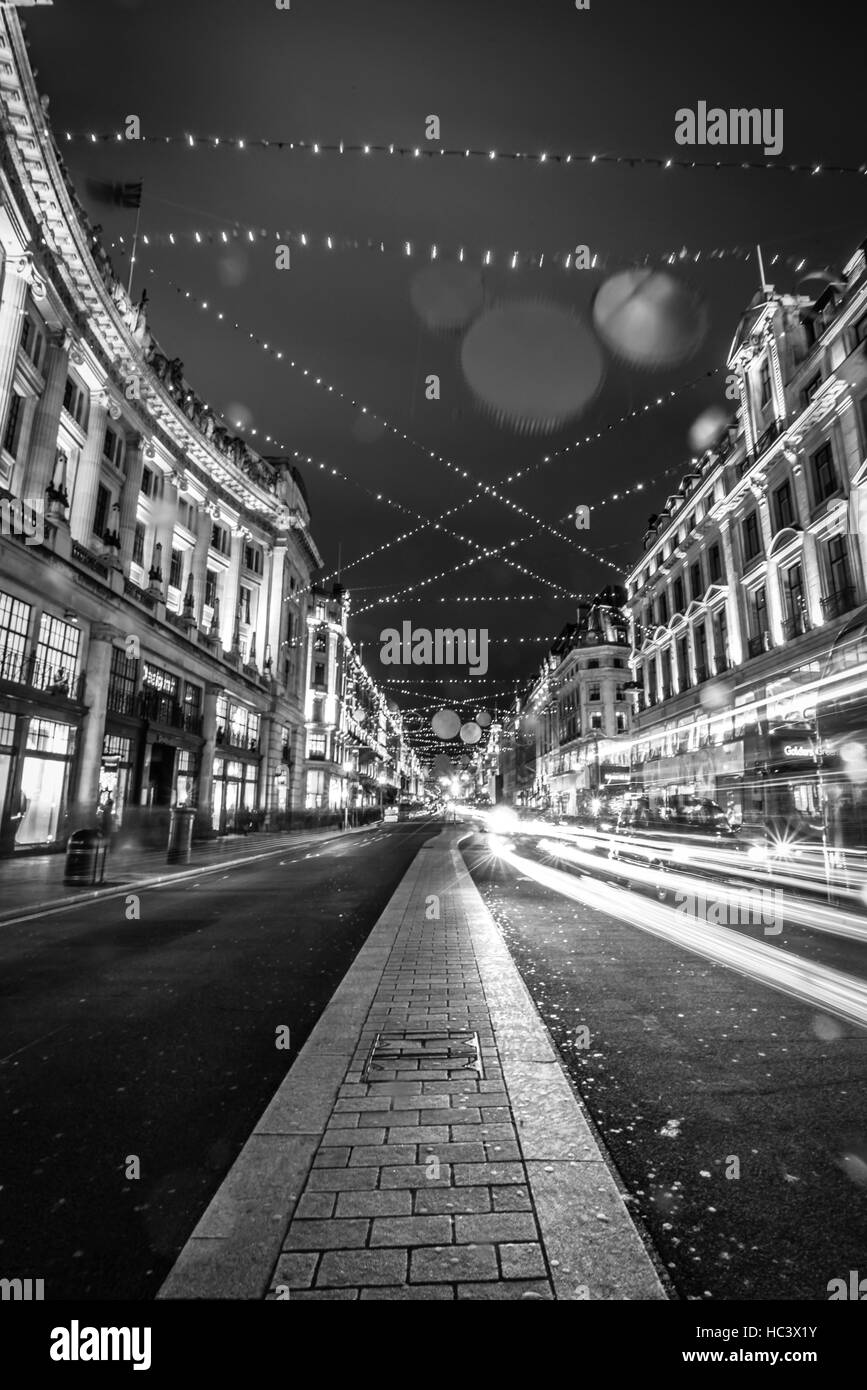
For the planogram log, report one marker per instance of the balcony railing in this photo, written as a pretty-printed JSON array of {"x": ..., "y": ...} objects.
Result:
[
  {"x": 47, "y": 674},
  {"x": 85, "y": 557},
  {"x": 759, "y": 644},
  {"x": 838, "y": 603},
  {"x": 796, "y": 626},
  {"x": 140, "y": 595}
]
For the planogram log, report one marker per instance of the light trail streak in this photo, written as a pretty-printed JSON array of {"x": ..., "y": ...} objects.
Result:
[{"x": 813, "y": 984}]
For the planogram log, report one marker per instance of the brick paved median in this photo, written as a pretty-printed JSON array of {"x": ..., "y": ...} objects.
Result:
[{"x": 455, "y": 1163}]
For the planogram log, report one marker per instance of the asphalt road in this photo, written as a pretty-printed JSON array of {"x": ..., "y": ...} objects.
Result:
[
  {"x": 157, "y": 1038},
  {"x": 689, "y": 1066}
]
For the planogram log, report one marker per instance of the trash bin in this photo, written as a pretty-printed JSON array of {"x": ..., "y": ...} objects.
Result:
[
  {"x": 183, "y": 819},
  {"x": 86, "y": 852}
]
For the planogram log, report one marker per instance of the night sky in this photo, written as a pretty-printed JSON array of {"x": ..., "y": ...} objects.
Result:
[{"x": 532, "y": 77}]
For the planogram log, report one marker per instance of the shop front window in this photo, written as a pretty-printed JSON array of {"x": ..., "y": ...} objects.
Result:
[{"x": 44, "y": 778}]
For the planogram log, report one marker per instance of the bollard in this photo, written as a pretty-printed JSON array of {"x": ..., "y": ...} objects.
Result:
[
  {"x": 86, "y": 852},
  {"x": 181, "y": 834}
]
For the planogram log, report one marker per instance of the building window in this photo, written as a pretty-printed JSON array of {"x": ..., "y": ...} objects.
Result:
[
  {"x": 810, "y": 390},
  {"x": 46, "y": 736},
  {"x": 662, "y": 609},
  {"x": 620, "y": 718},
  {"x": 784, "y": 507},
  {"x": 157, "y": 678},
  {"x": 696, "y": 587},
  {"x": 721, "y": 640},
  {"x": 245, "y": 602},
  {"x": 594, "y": 692},
  {"x": 192, "y": 703},
  {"x": 56, "y": 655},
  {"x": 319, "y": 710},
  {"x": 758, "y": 611},
  {"x": 679, "y": 595},
  {"x": 751, "y": 536},
  {"x": 592, "y": 665},
  {"x": 210, "y": 588},
  {"x": 75, "y": 401},
  {"x": 317, "y": 746},
  {"x": 596, "y": 722},
  {"x": 700, "y": 643},
  {"x": 714, "y": 559},
  {"x": 221, "y": 541},
  {"x": 122, "y": 682},
  {"x": 315, "y": 789},
  {"x": 148, "y": 482},
  {"x": 138, "y": 542},
  {"x": 12, "y": 437},
  {"x": 14, "y": 623},
  {"x": 794, "y": 602},
  {"x": 764, "y": 385},
  {"x": 253, "y": 560},
  {"x": 176, "y": 569},
  {"x": 683, "y": 675},
  {"x": 100, "y": 516},
  {"x": 824, "y": 474},
  {"x": 319, "y": 681},
  {"x": 32, "y": 341},
  {"x": 112, "y": 447},
  {"x": 840, "y": 592}
]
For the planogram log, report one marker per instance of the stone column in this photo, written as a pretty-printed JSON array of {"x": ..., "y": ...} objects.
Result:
[
  {"x": 134, "y": 464},
  {"x": 229, "y": 604},
  {"x": 200, "y": 561},
  {"x": 12, "y": 303},
  {"x": 166, "y": 531},
  {"x": 733, "y": 604},
  {"x": 46, "y": 421},
  {"x": 205, "y": 803},
  {"x": 88, "y": 475},
  {"x": 97, "y": 673}
]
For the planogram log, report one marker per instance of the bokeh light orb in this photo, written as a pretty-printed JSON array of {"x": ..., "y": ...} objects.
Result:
[
  {"x": 447, "y": 295},
  {"x": 706, "y": 430},
  {"x": 483, "y": 719},
  {"x": 649, "y": 319},
  {"x": 446, "y": 724},
  {"x": 232, "y": 269},
  {"x": 238, "y": 416},
  {"x": 532, "y": 365},
  {"x": 471, "y": 733}
]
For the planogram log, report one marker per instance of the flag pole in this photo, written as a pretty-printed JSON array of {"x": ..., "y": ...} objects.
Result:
[{"x": 134, "y": 249}]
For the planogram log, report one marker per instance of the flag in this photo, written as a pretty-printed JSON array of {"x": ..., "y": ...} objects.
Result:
[{"x": 119, "y": 195}]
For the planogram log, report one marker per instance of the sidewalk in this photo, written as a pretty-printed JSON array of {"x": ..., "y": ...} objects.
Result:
[
  {"x": 426, "y": 1143},
  {"x": 35, "y": 882}
]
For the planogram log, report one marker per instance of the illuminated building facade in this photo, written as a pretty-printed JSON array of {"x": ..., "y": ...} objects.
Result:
[
  {"x": 152, "y": 632},
  {"x": 755, "y": 570}
]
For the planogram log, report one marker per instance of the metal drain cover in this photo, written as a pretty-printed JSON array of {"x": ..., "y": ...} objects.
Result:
[{"x": 454, "y": 1051}]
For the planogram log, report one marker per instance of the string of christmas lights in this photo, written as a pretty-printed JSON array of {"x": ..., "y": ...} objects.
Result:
[
  {"x": 511, "y": 259},
  {"x": 482, "y": 488},
  {"x": 434, "y": 150},
  {"x": 487, "y": 554}
]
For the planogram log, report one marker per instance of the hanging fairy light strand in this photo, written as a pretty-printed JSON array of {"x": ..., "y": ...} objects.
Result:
[
  {"x": 564, "y": 259},
  {"x": 487, "y": 554},
  {"x": 435, "y": 151},
  {"x": 482, "y": 488}
]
